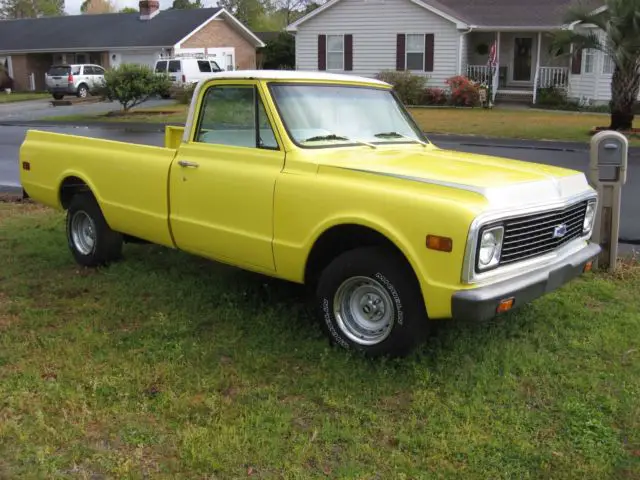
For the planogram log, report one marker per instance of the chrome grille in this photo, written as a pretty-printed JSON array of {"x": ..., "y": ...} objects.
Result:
[{"x": 534, "y": 235}]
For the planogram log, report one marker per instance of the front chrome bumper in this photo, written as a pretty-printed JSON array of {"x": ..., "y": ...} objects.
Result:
[{"x": 482, "y": 303}]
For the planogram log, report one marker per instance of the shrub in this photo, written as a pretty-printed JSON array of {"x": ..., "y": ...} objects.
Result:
[
  {"x": 434, "y": 96},
  {"x": 132, "y": 84},
  {"x": 185, "y": 94},
  {"x": 552, "y": 96},
  {"x": 463, "y": 92},
  {"x": 409, "y": 87}
]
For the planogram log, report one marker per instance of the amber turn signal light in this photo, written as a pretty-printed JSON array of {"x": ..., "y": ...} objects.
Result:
[
  {"x": 505, "y": 305},
  {"x": 588, "y": 266},
  {"x": 443, "y": 244}
]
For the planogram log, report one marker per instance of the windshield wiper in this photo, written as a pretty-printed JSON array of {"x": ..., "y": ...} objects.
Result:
[
  {"x": 399, "y": 135},
  {"x": 333, "y": 136}
]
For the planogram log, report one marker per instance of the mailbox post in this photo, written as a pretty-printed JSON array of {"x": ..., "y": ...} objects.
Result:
[{"x": 607, "y": 173}]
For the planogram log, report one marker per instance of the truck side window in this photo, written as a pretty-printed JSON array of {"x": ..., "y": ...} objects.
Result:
[{"x": 231, "y": 115}]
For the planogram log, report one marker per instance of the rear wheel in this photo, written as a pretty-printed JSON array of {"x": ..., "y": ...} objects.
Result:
[
  {"x": 83, "y": 91},
  {"x": 90, "y": 239},
  {"x": 368, "y": 300},
  {"x": 58, "y": 96}
]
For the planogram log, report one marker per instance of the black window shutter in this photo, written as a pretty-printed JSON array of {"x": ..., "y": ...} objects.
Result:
[
  {"x": 400, "y": 51},
  {"x": 348, "y": 52},
  {"x": 576, "y": 62},
  {"x": 322, "y": 52},
  {"x": 429, "y": 42}
]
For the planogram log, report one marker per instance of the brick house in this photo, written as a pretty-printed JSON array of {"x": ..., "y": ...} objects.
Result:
[{"x": 28, "y": 47}]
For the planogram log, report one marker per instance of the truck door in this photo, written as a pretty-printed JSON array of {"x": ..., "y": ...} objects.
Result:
[{"x": 222, "y": 181}]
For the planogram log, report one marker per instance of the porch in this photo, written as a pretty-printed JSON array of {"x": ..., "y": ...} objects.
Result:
[
  {"x": 523, "y": 61},
  {"x": 28, "y": 70}
]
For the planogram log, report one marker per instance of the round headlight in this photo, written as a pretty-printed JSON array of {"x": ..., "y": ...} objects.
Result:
[
  {"x": 589, "y": 217},
  {"x": 488, "y": 247}
]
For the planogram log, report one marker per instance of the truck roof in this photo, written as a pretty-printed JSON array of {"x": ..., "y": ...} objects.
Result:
[{"x": 295, "y": 75}]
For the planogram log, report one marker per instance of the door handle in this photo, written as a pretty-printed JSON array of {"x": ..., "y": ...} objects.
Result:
[{"x": 184, "y": 163}]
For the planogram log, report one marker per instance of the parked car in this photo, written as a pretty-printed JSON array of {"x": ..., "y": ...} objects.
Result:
[
  {"x": 76, "y": 79},
  {"x": 186, "y": 70},
  {"x": 326, "y": 180}
]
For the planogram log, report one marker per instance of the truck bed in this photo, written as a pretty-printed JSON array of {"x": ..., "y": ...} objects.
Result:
[{"x": 129, "y": 180}]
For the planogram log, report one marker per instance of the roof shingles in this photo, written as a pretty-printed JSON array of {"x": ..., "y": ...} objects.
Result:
[
  {"x": 112, "y": 30},
  {"x": 510, "y": 13}
]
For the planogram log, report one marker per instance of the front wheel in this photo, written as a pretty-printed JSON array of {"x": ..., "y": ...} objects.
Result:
[
  {"x": 90, "y": 239},
  {"x": 369, "y": 300}
]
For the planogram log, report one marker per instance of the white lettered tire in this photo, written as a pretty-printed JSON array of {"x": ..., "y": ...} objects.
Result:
[{"x": 369, "y": 300}]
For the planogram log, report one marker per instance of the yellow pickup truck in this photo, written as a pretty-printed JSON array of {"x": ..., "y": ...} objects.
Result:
[{"x": 326, "y": 180}]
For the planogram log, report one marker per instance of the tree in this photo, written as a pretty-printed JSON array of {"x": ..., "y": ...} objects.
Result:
[
  {"x": 249, "y": 12},
  {"x": 294, "y": 9},
  {"x": 128, "y": 10},
  {"x": 186, "y": 4},
  {"x": 14, "y": 9},
  {"x": 93, "y": 7},
  {"x": 280, "y": 53},
  {"x": 619, "y": 24},
  {"x": 131, "y": 84}
]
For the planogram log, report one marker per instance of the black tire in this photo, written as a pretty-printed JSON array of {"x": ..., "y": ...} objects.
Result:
[
  {"x": 386, "y": 271},
  {"x": 83, "y": 91},
  {"x": 58, "y": 96},
  {"x": 107, "y": 244}
]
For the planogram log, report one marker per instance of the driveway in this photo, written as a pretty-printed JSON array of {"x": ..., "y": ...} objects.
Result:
[{"x": 42, "y": 109}]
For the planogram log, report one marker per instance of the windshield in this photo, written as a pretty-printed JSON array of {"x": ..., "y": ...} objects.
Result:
[{"x": 331, "y": 115}]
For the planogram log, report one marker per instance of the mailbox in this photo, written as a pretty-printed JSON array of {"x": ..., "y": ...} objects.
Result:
[
  {"x": 607, "y": 173},
  {"x": 609, "y": 154}
]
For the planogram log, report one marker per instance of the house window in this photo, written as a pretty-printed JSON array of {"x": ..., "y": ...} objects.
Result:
[
  {"x": 608, "y": 66},
  {"x": 589, "y": 60},
  {"x": 415, "y": 52},
  {"x": 335, "y": 52}
]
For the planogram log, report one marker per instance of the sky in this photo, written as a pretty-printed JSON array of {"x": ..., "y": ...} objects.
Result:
[{"x": 72, "y": 7}]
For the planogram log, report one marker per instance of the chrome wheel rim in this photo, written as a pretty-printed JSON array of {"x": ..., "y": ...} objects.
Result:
[
  {"x": 83, "y": 233},
  {"x": 364, "y": 310},
  {"x": 83, "y": 92}
]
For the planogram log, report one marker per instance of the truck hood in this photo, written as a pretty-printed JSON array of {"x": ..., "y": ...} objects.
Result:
[{"x": 503, "y": 182}]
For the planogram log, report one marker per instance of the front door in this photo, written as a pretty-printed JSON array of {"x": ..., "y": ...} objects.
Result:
[
  {"x": 222, "y": 181},
  {"x": 522, "y": 56}
]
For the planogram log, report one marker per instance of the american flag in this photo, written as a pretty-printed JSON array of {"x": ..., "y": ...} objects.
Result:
[{"x": 493, "y": 54}]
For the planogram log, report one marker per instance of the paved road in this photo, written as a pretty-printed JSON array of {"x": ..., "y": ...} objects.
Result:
[
  {"x": 561, "y": 154},
  {"x": 41, "y": 109}
]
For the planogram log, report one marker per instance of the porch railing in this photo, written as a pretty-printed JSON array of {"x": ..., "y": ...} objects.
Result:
[
  {"x": 479, "y": 73},
  {"x": 553, "y": 77}
]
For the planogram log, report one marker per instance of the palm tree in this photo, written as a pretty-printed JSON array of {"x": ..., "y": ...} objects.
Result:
[{"x": 617, "y": 35}]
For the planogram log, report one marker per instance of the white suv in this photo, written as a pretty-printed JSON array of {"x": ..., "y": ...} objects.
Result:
[
  {"x": 75, "y": 79},
  {"x": 183, "y": 71}
]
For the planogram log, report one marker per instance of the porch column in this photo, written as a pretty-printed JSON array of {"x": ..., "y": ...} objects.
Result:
[
  {"x": 10, "y": 66},
  {"x": 496, "y": 75},
  {"x": 537, "y": 75}
]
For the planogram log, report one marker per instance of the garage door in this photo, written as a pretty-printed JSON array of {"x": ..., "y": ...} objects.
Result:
[{"x": 148, "y": 59}]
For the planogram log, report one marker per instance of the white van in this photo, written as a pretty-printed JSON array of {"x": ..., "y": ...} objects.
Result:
[{"x": 185, "y": 70}]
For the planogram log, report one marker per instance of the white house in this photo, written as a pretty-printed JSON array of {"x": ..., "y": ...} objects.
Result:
[{"x": 443, "y": 38}]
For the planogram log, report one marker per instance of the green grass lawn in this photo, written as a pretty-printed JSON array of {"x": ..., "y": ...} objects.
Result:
[
  {"x": 168, "y": 366},
  {"x": 173, "y": 113},
  {"x": 500, "y": 123},
  {"x": 510, "y": 123},
  {"x": 22, "y": 97}
]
